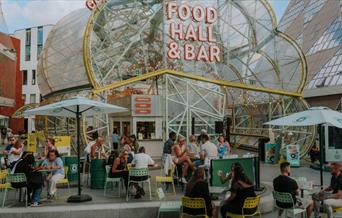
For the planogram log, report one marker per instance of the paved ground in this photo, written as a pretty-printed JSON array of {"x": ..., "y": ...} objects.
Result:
[{"x": 268, "y": 172}]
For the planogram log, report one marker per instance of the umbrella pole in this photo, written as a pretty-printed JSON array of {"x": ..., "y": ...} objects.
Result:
[
  {"x": 321, "y": 151},
  {"x": 79, "y": 197}
]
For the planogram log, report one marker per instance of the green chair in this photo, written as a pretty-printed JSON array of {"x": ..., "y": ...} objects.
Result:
[
  {"x": 134, "y": 172},
  {"x": 167, "y": 206},
  {"x": 15, "y": 178},
  {"x": 119, "y": 181},
  {"x": 286, "y": 198}
]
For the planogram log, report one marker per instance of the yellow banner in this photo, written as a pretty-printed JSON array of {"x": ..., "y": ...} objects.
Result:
[
  {"x": 35, "y": 139},
  {"x": 62, "y": 141}
]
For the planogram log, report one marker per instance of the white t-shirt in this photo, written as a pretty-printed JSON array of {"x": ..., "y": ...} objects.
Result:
[
  {"x": 13, "y": 157},
  {"x": 142, "y": 160},
  {"x": 87, "y": 150},
  {"x": 210, "y": 149}
]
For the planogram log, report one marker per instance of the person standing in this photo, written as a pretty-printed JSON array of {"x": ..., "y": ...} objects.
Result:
[
  {"x": 223, "y": 147},
  {"x": 115, "y": 139},
  {"x": 134, "y": 143},
  {"x": 331, "y": 195},
  {"x": 54, "y": 163},
  {"x": 283, "y": 183},
  {"x": 167, "y": 148}
]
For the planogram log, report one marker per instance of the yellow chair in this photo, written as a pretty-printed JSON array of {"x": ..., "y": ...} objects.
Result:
[
  {"x": 193, "y": 203},
  {"x": 65, "y": 180},
  {"x": 337, "y": 212},
  {"x": 167, "y": 179},
  {"x": 4, "y": 186},
  {"x": 250, "y": 203}
]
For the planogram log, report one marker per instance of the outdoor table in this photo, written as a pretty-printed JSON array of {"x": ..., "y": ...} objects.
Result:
[
  {"x": 306, "y": 185},
  {"x": 216, "y": 191}
]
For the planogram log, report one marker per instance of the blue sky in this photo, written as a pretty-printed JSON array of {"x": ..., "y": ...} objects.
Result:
[{"x": 20, "y": 14}]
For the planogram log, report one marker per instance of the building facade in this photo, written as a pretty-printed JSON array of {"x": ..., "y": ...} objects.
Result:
[
  {"x": 31, "y": 44},
  {"x": 317, "y": 27},
  {"x": 10, "y": 83}
]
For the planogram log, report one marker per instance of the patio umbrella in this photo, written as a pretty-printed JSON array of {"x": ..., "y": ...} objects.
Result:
[
  {"x": 312, "y": 116},
  {"x": 76, "y": 107},
  {"x": 3, "y": 117}
]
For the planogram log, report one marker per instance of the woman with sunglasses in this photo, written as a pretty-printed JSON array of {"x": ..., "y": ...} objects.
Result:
[{"x": 119, "y": 167}]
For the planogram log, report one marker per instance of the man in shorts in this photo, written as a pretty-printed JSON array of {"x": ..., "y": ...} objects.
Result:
[
  {"x": 332, "y": 195},
  {"x": 283, "y": 183}
]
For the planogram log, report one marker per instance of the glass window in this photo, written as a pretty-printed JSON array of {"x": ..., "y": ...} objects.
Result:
[
  {"x": 146, "y": 130},
  {"x": 33, "y": 77},
  {"x": 28, "y": 45},
  {"x": 39, "y": 41},
  {"x": 32, "y": 98},
  {"x": 24, "y": 77}
]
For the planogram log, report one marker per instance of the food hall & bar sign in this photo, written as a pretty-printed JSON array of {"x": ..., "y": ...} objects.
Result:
[{"x": 191, "y": 32}]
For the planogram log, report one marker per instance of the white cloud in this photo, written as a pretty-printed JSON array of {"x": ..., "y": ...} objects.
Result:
[{"x": 22, "y": 14}]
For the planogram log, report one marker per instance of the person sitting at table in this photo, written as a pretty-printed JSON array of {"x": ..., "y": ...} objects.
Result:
[
  {"x": 134, "y": 143},
  {"x": 331, "y": 195},
  {"x": 209, "y": 147},
  {"x": 119, "y": 167},
  {"x": 229, "y": 175},
  {"x": 97, "y": 149},
  {"x": 54, "y": 163},
  {"x": 179, "y": 157},
  {"x": 241, "y": 188},
  {"x": 49, "y": 145},
  {"x": 141, "y": 160},
  {"x": 34, "y": 182},
  {"x": 193, "y": 148},
  {"x": 128, "y": 146},
  {"x": 223, "y": 147},
  {"x": 201, "y": 160},
  {"x": 283, "y": 183},
  {"x": 11, "y": 141},
  {"x": 197, "y": 187},
  {"x": 15, "y": 153}
]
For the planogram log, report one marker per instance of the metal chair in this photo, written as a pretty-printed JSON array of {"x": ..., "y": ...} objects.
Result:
[
  {"x": 167, "y": 206},
  {"x": 337, "y": 212},
  {"x": 286, "y": 198},
  {"x": 119, "y": 181},
  {"x": 193, "y": 203},
  {"x": 16, "y": 178},
  {"x": 139, "y": 173},
  {"x": 249, "y": 203},
  {"x": 167, "y": 179}
]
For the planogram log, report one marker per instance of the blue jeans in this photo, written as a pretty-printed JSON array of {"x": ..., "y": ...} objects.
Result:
[
  {"x": 36, "y": 194},
  {"x": 198, "y": 162}
]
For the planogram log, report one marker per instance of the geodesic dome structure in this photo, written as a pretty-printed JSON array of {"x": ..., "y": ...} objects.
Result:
[{"x": 260, "y": 75}]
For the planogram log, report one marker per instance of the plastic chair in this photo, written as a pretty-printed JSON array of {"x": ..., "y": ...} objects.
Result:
[
  {"x": 15, "y": 178},
  {"x": 249, "y": 203},
  {"x": 167, "y": 179},
  {"x": 139, "y": 173},
  {"x": 166, "y": 206},
  {"x": 65, "y": 180},
  {"x": 286, "y": 198},
  {"x": 4, "y": 186},
  {"x": 112, "y": 181},
  {"x": 193, "y": 203},
  {"x": 337, "y": 212}
]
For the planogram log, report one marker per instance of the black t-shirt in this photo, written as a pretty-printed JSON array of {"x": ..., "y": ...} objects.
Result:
[
  {"x": 336, "y": 183},
  {"x": 288, "y": 185},
  {"x": 168, "y": 146}
]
